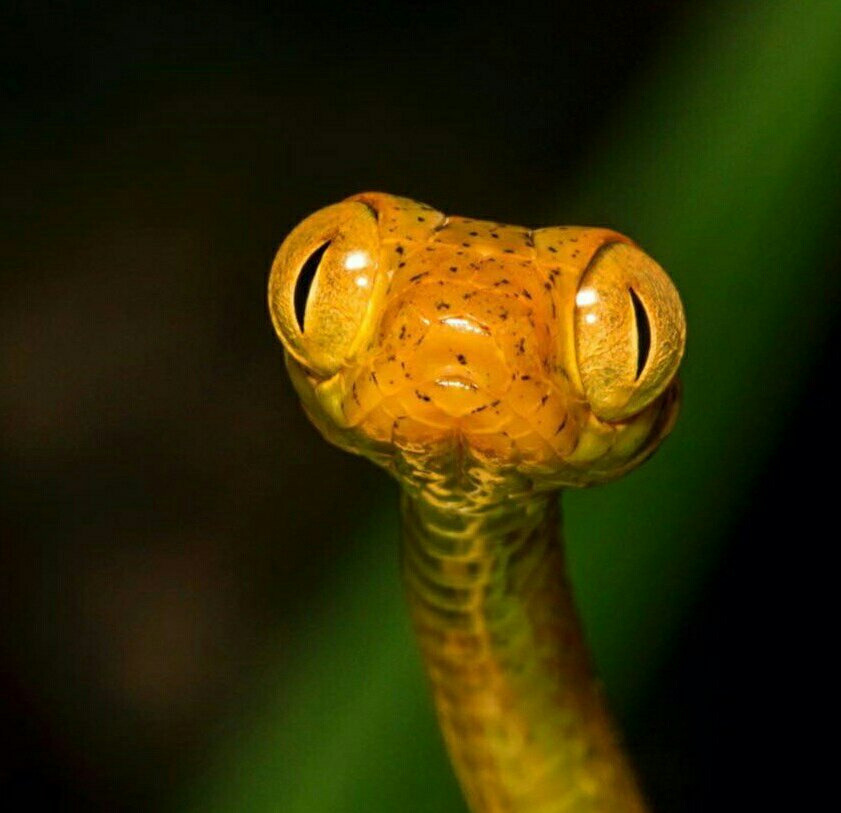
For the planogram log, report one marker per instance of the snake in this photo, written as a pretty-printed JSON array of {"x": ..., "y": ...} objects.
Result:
[{"x": 488, "y": 367}]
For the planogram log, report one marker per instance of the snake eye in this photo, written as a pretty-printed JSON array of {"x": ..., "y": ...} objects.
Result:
[
  {"x": 322, "y": 283},
  {"x": 629, "y": 331},
  {"x": 303, "y": 285}
]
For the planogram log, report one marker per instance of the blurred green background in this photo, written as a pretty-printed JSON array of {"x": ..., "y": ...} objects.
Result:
[{"x": 200, "y": 602}]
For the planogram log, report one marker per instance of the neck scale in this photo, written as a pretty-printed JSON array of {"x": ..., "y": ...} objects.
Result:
[{"x": 522, "y": 716}]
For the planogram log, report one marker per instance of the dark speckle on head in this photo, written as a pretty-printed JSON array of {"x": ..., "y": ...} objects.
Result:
[{"x": 475, "y": 307}]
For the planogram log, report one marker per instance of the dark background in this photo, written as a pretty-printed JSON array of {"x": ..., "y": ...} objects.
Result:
[{"x": 172, "y": 524}]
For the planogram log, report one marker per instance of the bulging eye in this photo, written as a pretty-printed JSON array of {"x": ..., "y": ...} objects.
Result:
[
  {"x": 322, "y": 283},
  {"x": 629, "y": 331}
]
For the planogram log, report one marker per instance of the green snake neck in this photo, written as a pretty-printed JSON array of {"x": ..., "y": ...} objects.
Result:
[{"x": 522, "y": 716}]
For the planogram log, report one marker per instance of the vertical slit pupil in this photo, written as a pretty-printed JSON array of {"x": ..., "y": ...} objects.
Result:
[
  {"x": 303, "y": 285},
  {"x": 643, "y": 331}
]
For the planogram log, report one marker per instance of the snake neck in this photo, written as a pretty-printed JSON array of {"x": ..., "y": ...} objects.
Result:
[{"x": 523, "y": 719}]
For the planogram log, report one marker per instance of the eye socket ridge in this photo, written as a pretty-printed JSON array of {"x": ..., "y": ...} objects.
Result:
[{"x": 305, "y": 280}]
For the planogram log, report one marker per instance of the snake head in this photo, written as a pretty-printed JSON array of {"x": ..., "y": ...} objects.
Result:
[{"x": 471, "y": 354}]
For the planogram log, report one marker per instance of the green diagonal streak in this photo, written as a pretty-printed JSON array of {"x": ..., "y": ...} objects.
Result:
[
  {"x": 345, "y": 729},
  {"x": 722, "y": 168},
  {"x": 727, "y": 176}
]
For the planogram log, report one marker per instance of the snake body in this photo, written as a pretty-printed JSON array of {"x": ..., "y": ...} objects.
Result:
[{"x": 487, "y": 367}]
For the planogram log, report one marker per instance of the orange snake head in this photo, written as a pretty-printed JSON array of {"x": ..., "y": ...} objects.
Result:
[{"x": 459, "y": 352}]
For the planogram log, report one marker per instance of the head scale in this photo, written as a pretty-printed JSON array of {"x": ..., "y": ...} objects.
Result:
[{"x": 468, "y": 354}]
